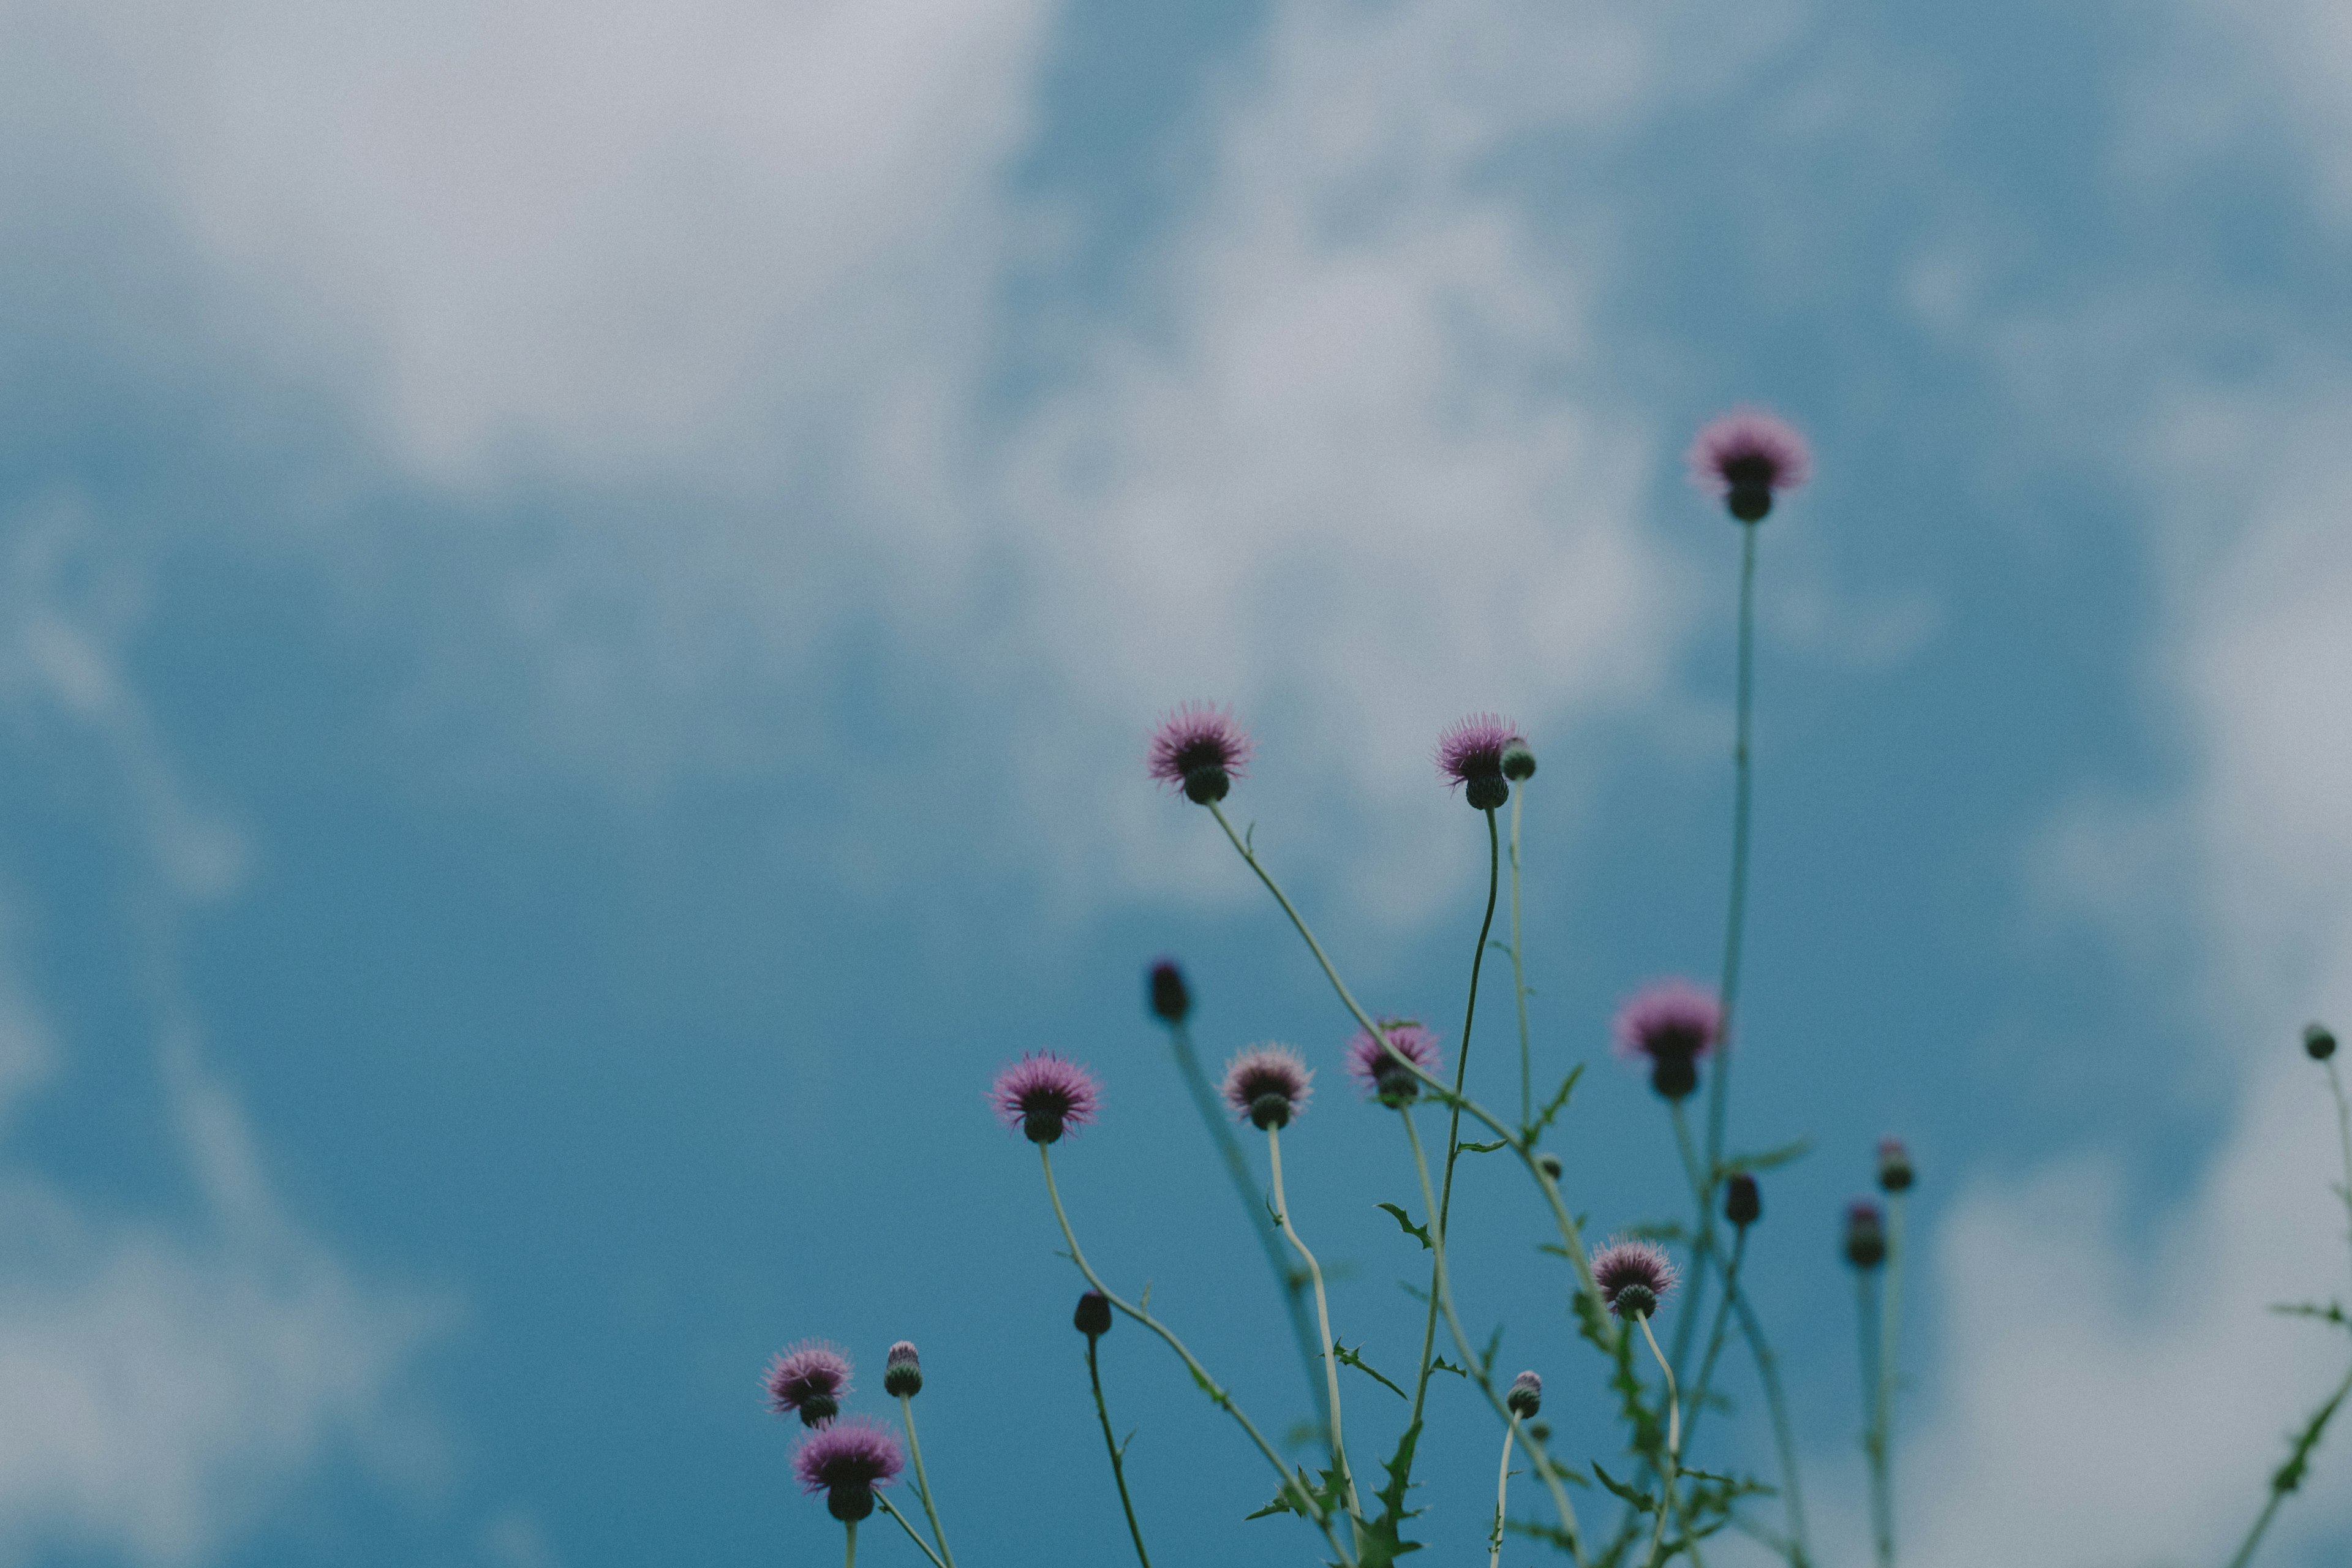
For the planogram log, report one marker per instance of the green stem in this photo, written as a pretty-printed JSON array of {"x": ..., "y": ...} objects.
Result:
[
  {"x": 1519, "y": 968},
  {"x": 1209, "y": 1385},
  {"x": 1502, "y": 1493},
  {"x": 1474, "y": 1368},
  {"x": 1454, "y": 1114},
  {"x": 1673, "y": 1442},
  {"x": 2342, "y": 1135},
  {"x": 1571, "y": 1235},
  {"x": 1890, "y": 1324},
  {"x": 1118, "y": 1467},
  {"x": 1245, "y": 1188},
  {"x": 1702, "y": 1186},
  {"x": 884, "y": 1504},
  {"x": 1722, "y": 1328},
  {"x": 1784, "y": 1435},
  {"x": 922, "y": 1481},
  {"x": 1323, "y": 1323},
  {"x": 849, "y": 1528},
  {"x": 1867, "y": 1340},
  {"x": 2290, "y": 1476}
]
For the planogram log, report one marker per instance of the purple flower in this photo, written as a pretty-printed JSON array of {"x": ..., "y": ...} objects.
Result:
[
  {"x": 808, "y": 1379},
  {"x": 1670, "y": 1025},
  {"x": 1744, "y": 456},
  {"x": 846, "y": 1461},
  {"x": 1199, "y": 749},
  {"x": 902, "y": 1374},
  {"x": 1377, "y": 1070},
  {"x": 1526, "y": 1396},
  {"x": 1894, "y": 1172},
  {"x": 1865, "y": 1235},
  {"x": 1043, "y": 1094},
  {"x": 1269, "y": 1084},
  {"x": 1634, "y": 1276},
  {"x": 1470, "y": 752}
]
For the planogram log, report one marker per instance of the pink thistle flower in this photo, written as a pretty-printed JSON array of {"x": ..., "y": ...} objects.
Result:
[
  {"x": 846, "y": 1461},
  {"x": 1745, "y": 456},
  {"x": 1377, "y": 1069},
  {"x": 1671, "y": 1025},
  {"x": 1270, "y": 1084},
  {"x": 902, "y": 1372},
  {"x": 808, "y": 1380},
  {"x": 1043, "y": 1094},
  {"x": 1199, "y": 749},
  {"x": 1470, "y": 752},
  {"x": 1635, "y": 1277}
]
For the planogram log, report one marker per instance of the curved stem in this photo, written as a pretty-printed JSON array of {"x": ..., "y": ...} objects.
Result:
[
  {"x": 1674, "y": 1441},
  {"x": 884, "y": 1504},
  {"x": 1571, "y": 1235},
  {"x": 1209, "y": 1385},
  {"x": 1890, "y": 1322},
  {"x": 922, "y": 1481},
  {"x": 1454, "y": 1113},
  {"x": 1118, "y": 1464},
  {"x": 1502, "y": 1493},
  {"x": 1474, "y": 1368},
  {"x": 1784, "y": 1435},
  {"x": 1323, "y": 1322},
  {"x": 1245, "y": 1188},
  {"x": 1519, "y": 968}
]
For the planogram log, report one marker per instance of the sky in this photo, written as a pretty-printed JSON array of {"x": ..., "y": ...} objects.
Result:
[{"x": 582, "y": 589}]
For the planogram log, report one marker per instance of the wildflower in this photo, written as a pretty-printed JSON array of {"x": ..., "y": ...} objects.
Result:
[
  {"x": 1744, "y": 456},
  {"x": 1043, "y": 1094},
  {"x": 1634, "y": 1276},
  {"x": 1269, "y": 1084},
  {"x": 1093, "y": 1317},
  {"x": 1894, "y": 1165},
  {"x": 1671, "y": 1025},
  {"x": 1169, "y": 1000},
  {"x": 846, "y": 1461},
  {"x": 809, "y": 1379},
  {"x": 1199, "y": 749},
  {"x": 1526, "y": 1396},
  {"x": 1470, "y": 752},
  {"x": 1865, "y": 1235},
  {"x": 1743, "y": 1206},
  {"x": 2317, "y": 1043},
  {"x": 1518, "y": 762},
  {"x": 902, "y": 1374},
  {"x": 1384, "y": 1077}
]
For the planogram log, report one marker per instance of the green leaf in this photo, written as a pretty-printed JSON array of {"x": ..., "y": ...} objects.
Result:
[
  {"x": 1485, "y": 1148},
  {"x": 1405, "y": 1222},
  {"x": 1439, "y": 1363},
  {"x": 1355, "y": 1358},
  {"x": 2330, "y": 1313},
  {"x": 1553, "y": 1106},
  {"x": 1640, "y": 1499},
  {"x": 1493, "y": 1347},
  {"x": 1769, "y": 1159},
  {"x": 1380, "y": 1542}
]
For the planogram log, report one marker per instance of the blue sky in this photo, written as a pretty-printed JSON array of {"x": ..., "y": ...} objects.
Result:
[{"x": 585, "y": 587}]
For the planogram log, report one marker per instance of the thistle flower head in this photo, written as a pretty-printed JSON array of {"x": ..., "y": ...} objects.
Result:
[
  {"x": 1470, "y": 752},
  {"x": 902, "y": 1374},
  {"x": 2318, "y": 1042},
  {"x": 1199, "y": 749},
  {"x": 1672, "y": 1026},
  {"x": 808, "y": 1380},
  {"x": 1384, "y": 1079},
  {"x": 1894, "y": 1172},
  {"x": 1865, "y": 1233},
  {"x": 1526, "y": 1396},
  {"x": 1634, "y": 1276},
  {"x": 1171, "y": 1002},
  {"x": 1743, "y": 1205},
  {"x": 846, "y": 1461},
  {"x": 1270, "y": 1084},
  {"x": 1093, "y": 1317},
  {"x": 1746, "y": 456},
  {"x": 1042, "y": 1095}
]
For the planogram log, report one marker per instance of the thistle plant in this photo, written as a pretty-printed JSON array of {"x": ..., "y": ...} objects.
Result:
[{"x": 1619, "y": 1394}]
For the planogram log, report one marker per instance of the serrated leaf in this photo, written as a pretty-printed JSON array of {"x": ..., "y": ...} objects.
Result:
[
  {"x": 1485, "y": 1148},
  {"x": 1640, "y": 1499},
  {"x": 1380, "y": 1543},
  {"x": 1439, "y": 1363},
  {"x": 1404, "y": 1223},
  {"x": 1355, "y": 1358},
  {"x": 1552, "y": 1107},
  {"x": 1768, "y": 1159},
  {"x": 1493, "y": 1347}
]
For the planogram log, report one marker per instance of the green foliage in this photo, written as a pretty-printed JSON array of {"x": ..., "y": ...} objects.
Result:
[
  {"x": 1769, "y": 1159},
  {"x": 1404, "y": 1223},
  {"x": 1552, "y": 1107},
  {"x": 1380, "y": 1542},
  {"x": 1355, "y": 1358}
]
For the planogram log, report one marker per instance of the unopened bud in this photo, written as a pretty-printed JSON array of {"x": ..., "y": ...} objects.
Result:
[
  {"x": 2317, "y": 1043},
  {"x": 1743, "y": 1205},
  {"x": 1169, "y": 1000},
  {"x": 1093, "y": 1317},
  {"x": 1526, "y": 1396},
  {"x": 1894, "y": 1165},
  {"x": 1519, "y": 762},
  {"x": 1865, "y": 1235}
]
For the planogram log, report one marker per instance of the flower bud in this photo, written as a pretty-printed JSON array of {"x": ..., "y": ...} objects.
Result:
[
  {"x": 1093, "y": 1317},
  {"x": 1550, "y": 1164},
  {"x": 1484, "y": 793},
  {"x": 902, "y": 1377},
  {"x": 1865, "y": 1235},
  {"x": 1526, "y": 1396},
  {"x": 2317, "y": 1043},
  {"x": 1171, "y": 1002},
  {"x": 1743, "y": 1205},
  {"x": 1894, "y": 1165},
  {"x": 1519, "y": 762}
]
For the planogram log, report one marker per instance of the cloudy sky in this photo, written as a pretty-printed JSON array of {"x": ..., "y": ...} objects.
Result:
[{"x": 582, "y": 587}]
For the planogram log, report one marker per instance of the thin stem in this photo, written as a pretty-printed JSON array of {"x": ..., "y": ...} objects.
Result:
[
  {"x": 1454, "y": 1113},
  {"x": 1866, "y": 1339},
  {"x": 884, "y": 1504},
  {"x": 1245, "y": 1188},
  {"x": 923, "y": 1481},
  {"x": 849, "y": 1528},
  {"x": 1322, "y": 1320},
  {"x": 1890, "y": 1324},
  {"x": 1702, "y": 1186},
  {"x": 1474, "y": 1368},
  {"x": 1735, "y": 915},
  {"x": 1209, "y": 1385},
  {"x": 1722, "y": 1328},
  {"x": 2288, "y": 1478},
  {"x": 1118, "y": 1466},
  {"x": 1502, "y": 1493},
  {"x": 1571, "y": 1235},
  {"x": 2342, "y": 1134},
  {"x": 1519, "y": 968},
  {"x": 1784, "y": 1435},
  {"x": 1674, "y": 1441}
]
